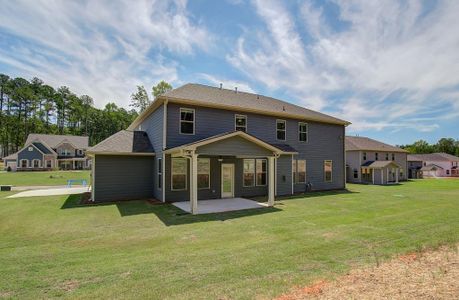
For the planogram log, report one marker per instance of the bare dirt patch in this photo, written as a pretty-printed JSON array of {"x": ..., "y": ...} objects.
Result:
[{"x": 419, "y": 275}]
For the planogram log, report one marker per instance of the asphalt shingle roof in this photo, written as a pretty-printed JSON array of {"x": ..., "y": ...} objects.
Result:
[
  {"x": 432, "y": 157},
  {"x": 354, "y": 143},
  {"x": 246, "y": 101},
  {"x": 124, "y": 142},
  {"x": 52, "y": 140},
  {"x": 42, "y": 148}
]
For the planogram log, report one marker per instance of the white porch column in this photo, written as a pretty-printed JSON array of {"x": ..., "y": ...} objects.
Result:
[
  {"x": 387, "y": 178},
  {"x": 373, "y": 175},
  {"x": 396, "y": 175},
  {"x": 194, "y": 184},
  {"x": 73, "y": 164},
  {"x": 382, "y": 176},
  {"x": 271, "y": 181}
]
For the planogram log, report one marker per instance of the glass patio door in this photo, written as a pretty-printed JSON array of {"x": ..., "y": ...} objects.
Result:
[{"x": 227, "y": 180}]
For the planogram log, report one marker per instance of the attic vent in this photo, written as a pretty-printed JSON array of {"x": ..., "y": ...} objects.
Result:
[
  {"x": 221, "y": 85},
  {"x": 235, "y": 89}
]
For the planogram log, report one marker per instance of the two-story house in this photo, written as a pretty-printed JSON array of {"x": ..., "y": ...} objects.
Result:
[
  {"x": 43, "y": 152},
  {"x": 434, "y": 165},
  {"x": 373, "y": 162},
  {"x": 200, "y": 142}
]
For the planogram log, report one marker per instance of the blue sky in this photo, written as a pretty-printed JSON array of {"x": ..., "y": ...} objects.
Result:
[{"x": 389, "y": 67}]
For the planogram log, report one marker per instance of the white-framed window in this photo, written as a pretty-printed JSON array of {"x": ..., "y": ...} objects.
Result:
[
  {"x": 240, "y": 122},
  {"x": 80, "y": 152},
  {"x": 179, "y": 173},
  {"x": 49, "y": 163},
  {"x": 393, "y": 156},
  {"x": 328, "y": 170},
  {"x": 364, "y": 156},
  {"x": 186, "y": 121},
  {"x": 64, "y": 152},
  {"x": 376, "y": 156},
  {"x": 299, "y": 170},
  {"x": 387, "y": 156},
  {"x": 203, "y": 173},
  {"x": 36, "y": 163},
  {"x": 24, "y": 163},
  {"x": 303, "y": 132},
  {"x": 248, "y": 172},
  {"x": 281, "y": 129},
  {"x": 356, "y": 173},
  {"x": 261, "y": 170},
  {"x": 160, "y": 173}
]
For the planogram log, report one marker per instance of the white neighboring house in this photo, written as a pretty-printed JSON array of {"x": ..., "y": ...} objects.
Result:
[{"x": 437, "y": 164}]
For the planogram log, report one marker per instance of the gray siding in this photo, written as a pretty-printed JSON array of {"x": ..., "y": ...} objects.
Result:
[
  {"x": 284, "y": 175},
  {"x": 325, "y": 141},
  {"x": 123, "y": 177},
  {"x": 353, "y": 160},
  {"x": 233, "y": 146},
  {"x": 29, "y": 155},
  {"x": 153, "y": 126}
]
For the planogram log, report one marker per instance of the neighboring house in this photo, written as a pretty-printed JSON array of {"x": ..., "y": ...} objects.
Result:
[
  {"x": 434, "y": 165},
  {"x": 373, "y": 162},
  {"x": 47, "y": 152},
  {"x": 200, "y": 142}
]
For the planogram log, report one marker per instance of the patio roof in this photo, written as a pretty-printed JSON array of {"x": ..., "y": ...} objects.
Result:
[{"x": 379, "y": 164}]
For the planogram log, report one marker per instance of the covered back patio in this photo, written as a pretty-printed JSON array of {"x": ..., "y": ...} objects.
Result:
[
  {"x": 231, "y": 166},
  {"x": 380, "y": 172}
]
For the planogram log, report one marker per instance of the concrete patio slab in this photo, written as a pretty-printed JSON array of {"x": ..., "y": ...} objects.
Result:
[
  {"x": 51, "y": 192},
  {"x": 220, "y": 205}
]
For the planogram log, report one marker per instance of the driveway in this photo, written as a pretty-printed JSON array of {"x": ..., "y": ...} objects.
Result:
[{"x": 51, "y": 192}]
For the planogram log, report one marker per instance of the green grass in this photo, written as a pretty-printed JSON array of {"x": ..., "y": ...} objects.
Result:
[
  {"x": 41, "y": 178},
  {"x": 52, "y": 247}
]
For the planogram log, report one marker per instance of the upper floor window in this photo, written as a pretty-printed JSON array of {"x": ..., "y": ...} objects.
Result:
[
  {"x": 303, "y": 132},
  {"x": 387, "y": 156},
  {"x": 364, "y": 156},
  {"x": 240, "y": 122},
  {"x": 186, "y": 121},
  {"x": 64, "y": 152},
  {"x": 280, "y": 129},
  {"x": 393, "y": 156},
  {"x": 376, "y": 156},
  {"x": 328, "y": 171},
  {"x": 80, "y": 152}
]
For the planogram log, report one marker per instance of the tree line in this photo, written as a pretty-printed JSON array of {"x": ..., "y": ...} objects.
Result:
[
  {"x": 446, "y": 145},
  {"x": 35, "y": 107}
]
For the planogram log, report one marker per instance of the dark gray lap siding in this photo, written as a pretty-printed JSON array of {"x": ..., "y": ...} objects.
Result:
[{"x": 123, "y": 177}]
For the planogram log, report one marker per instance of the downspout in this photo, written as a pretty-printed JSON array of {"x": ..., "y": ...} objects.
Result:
[{"x": 163, "y": 160}]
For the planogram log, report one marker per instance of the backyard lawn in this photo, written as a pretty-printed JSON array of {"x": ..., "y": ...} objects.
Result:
[
  {"x": 53, "y": 247},
  {"x": 41, "y": 178}
]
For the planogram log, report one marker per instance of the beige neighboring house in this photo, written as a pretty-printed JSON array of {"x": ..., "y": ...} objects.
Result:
[
  {"x": 373, "y": 162},
  {"x": 434, "y": 165},
  {"x": 43, "y": 152}
]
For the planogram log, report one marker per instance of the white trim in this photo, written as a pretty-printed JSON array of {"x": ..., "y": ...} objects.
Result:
[
  {"x": 20, "y": 163},
  {"x": 193, "y": 183},
  {"x": 331, "y": 176},
  {"x": 271, "y": 192},
  {"x": 246, "y": 122},
  {"x": 186, "y": 174},
  {"x": 210, "y": 168},
  {"x": 30, "y": 144},
  {"x": 254, "y": 172},
  {"x": 93, "y": 177},
  {"x": 285, "y": 129},
  {"x": 233, "y": 179},
  {"x": 291, "y": 174},
  {"x": 164, "y": 176},
  {"x": 33, "y": 163},
  {"x": 307, "y": 132},
  {"x": 180, "y": 120}
]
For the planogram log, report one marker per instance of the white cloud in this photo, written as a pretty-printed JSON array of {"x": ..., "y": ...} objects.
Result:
[
  {"x": 391, "y": 59},
  {"x": 100, "y": 48}
]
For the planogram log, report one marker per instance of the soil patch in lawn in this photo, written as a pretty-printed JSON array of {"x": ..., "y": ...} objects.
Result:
[{"x": 421, "y": 275}]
